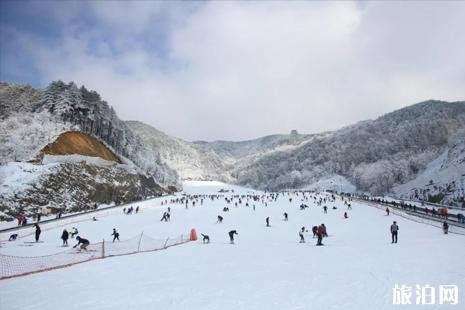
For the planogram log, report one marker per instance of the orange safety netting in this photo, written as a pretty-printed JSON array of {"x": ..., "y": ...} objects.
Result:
[{"x": 13, "y": 266}]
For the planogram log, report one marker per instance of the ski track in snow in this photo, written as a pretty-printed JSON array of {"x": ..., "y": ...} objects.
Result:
[{"x": 265, "y": 269}]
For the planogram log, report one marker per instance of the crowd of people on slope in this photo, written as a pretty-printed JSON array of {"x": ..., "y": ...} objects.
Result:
[
  {"x": 319, "y": 231},
  {"x": 246, "y": 200}
]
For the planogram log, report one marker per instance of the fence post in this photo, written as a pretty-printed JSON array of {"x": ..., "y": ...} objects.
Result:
[
  {"x": 103, "y": 248},
  {"x": 166, "y": 243},
  {"x": 140, "y": 240}
]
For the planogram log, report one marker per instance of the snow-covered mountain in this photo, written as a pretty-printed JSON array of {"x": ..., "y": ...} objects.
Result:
[
  {"x": 393, "y": 154},
  {"x": 416, "y": 152},
  {"x": 443, "y": 180},
  {"x": 217, "y": 160},
  {"x": 31, "y": 119},
  {"x": 233, "y": 151},
  {"x": 190, "y": 160},
  {"x": 374, "y": 156},
  {"x": 32, "y": 123}
]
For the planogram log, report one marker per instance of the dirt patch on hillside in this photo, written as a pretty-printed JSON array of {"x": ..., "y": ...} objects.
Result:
[{"x": 75, "y": 142}]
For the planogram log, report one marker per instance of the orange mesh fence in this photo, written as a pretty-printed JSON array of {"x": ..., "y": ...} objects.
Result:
[
  {"x": 14, "y": 266},
  {"x": 11, "y": 266}
]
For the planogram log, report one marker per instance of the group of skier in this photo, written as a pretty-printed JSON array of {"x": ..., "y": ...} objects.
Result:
[
  {"x": 166, "y": 217},
  {"x": 130, "y": 210},
  {"x": 65, "y": 235},
  {"x": 319, "y": 231},
  {"x": 22, "y": 220}
]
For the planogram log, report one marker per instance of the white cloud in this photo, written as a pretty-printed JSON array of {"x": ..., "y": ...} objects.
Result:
[{"x": 235, "y": 70}]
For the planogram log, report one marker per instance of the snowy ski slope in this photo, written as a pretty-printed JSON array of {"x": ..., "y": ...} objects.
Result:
[{"x": 266, "y": 269}]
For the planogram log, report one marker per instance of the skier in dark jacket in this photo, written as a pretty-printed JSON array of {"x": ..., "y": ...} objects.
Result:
[
  {"x": 387, "y": 211},
  {"x": 83, "y": 242},
  {"x": 115, "y": 235},
  {"x": 320, "y": 233},
  {"x": 301, "y": 235},
  {"x": 461, "y": 218},
  {"x": 205, "y": 238},
  {"x": 164, "y": 217},
  {"x": 445, "y": 227},
  {"x": 64, "y": 237},
  {"x": 286, "y": 216},
  {"x": 268, "y": 222},
  {"x": 325, "y": 233},
  {"x": 231, "y": 236},
  {"x": 220, "y": 219},
  {"x": 314, "y": 231},
  {"x": 394, "y": 231},
  {"x": 38, "y": 231}
]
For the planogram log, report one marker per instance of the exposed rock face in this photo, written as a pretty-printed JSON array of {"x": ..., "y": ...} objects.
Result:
[
  {"x": 76, "y": 142},
  {"x": 74, "y": 187}
]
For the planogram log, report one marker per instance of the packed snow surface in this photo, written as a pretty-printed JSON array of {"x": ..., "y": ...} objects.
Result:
[{"x": 267, "y": 268}]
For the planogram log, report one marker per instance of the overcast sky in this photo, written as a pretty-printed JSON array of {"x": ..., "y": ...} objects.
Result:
[{"x": 239, "y": 70}]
